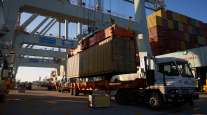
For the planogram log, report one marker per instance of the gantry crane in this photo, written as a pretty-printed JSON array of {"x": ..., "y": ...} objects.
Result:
[{"x": 13, "y": 38}]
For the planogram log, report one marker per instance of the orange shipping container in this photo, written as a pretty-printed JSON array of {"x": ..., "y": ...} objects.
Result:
[{"x": 101, "y": 35}]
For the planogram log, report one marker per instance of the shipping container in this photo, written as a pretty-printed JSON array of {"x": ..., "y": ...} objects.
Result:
[
  {"x": 170, "y": 24},
  {"x": 111, "y": 56},
  {"x": 100, "y": 35}
]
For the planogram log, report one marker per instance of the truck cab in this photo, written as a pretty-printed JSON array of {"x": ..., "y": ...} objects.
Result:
[
  {"x": 176, "y": 77},
  {"x": 172, "y": 80},
  {"x": 168, "y": 80}
]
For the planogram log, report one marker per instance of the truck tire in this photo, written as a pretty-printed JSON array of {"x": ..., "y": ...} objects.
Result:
[
  {"x": 71, "y": 91},
  {"x": 155, "y": 101},
  {"x": 2, "y": 98},
  {"x": 76, "y": 92},
  {"x": 60, "y": 89},
  {"x": 49, "y": 88},
  {"x": 121, "y": 97}
]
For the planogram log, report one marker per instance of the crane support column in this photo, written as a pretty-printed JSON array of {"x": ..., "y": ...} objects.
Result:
[
  {"x": 59, "y": 29},
  {"x": 43, "y": 30},
  {"x": 79, "y": 25},
  {"x": 26, "y": 23},
  {"x": 2, "y": 20},
  {"x": 140, "y": 18},
  {"x": 66, "y": 29}
]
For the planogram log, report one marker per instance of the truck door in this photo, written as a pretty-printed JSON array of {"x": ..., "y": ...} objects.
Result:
[
  {"x": 167, "y": 72},
  {"x": 149, "y": 70}
]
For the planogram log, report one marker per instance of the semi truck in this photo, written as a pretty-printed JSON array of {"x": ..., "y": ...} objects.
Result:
[{"x": 108, "y": 60}]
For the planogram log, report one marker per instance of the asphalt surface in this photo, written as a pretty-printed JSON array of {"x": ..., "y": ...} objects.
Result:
[{"x": 54, "y": 103}]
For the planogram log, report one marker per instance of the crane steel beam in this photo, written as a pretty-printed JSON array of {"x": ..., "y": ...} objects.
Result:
[
  {"x": 33, "y": 62},
  {"x": 44, "y": 41},
  {"x": 28, "y": 21},
  {"x": 42, "y": 53},
  {"x": 45, "y": 32},
  {"x": 46, "y": 26},
  {"x": 39, "y": 26},
  {"x": 68, "y": 11}
]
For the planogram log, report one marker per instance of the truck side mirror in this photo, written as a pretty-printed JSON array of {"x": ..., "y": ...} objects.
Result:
[{"x": 190, "y": 65}]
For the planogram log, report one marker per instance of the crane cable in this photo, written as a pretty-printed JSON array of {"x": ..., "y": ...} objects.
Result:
[{"x": 94, "y": 17}]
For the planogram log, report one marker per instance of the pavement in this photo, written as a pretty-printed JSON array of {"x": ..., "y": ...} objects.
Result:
[{"x": 54, "y": 103}]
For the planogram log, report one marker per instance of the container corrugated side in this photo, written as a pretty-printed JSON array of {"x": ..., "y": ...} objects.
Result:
[
  {"x": 111, "y": 56},
  {"x": 73, "y": 66}
]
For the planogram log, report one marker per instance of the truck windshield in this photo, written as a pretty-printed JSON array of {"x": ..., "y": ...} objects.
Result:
[
  {"x": 169, "y": 69},
  {"x": 184, "y": 69}
]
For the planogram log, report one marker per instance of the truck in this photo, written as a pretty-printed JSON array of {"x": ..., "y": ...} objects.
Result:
[
  {"x": 107, "y": 60},
  {"x": 52, "y": 82}
]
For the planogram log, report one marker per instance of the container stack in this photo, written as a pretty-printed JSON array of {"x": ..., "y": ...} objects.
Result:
[{"x": 170, "y": 32}]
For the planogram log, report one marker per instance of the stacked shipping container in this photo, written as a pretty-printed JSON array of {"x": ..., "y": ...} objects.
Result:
[{"x": 171, "y": 32}]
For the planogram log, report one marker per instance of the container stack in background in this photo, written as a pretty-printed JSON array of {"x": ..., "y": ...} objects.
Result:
[{"x": 170, "y": 32}]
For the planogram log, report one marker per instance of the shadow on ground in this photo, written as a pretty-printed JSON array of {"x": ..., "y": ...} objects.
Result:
[{"x": 53, "y": 103}]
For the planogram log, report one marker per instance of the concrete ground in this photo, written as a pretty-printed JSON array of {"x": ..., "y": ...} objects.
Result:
[{"x": 54, "y": 103}]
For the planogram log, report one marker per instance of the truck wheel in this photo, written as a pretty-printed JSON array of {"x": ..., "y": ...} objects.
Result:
[
  {"x": 71, "y": 91},
  {"x": 76, "y": 92},
  {"x": 49, "y": 88},
  {"x": 2, "y": 98},
  {"x": 59, "y": 90},
  {"x": 121, "y": 97},
  {"x": 155, "y": 101}
]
